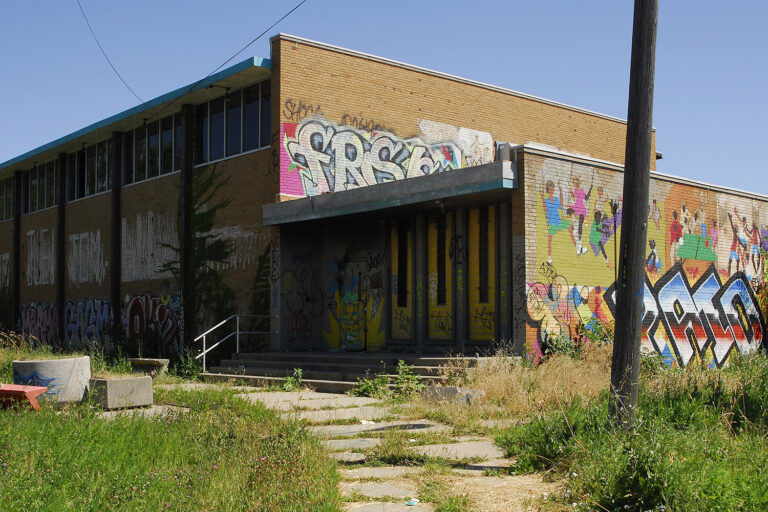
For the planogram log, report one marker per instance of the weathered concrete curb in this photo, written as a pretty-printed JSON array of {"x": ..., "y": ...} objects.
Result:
[
  {"x": 122, "y": 392},
  {"x": 67, "y": 379},
  {"x": 149, "y": 366}
]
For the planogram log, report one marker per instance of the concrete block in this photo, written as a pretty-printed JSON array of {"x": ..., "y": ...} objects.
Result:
[
  {"x": 67, "y": 378},
  {"x": 454, "y": 394},
  {"x": 122, "y": 392},
  {"x": 149, "y": 366}
]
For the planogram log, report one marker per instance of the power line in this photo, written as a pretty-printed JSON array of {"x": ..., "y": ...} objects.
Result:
[
  {"x": 105, "y": 53},
  {"x": 193, "y": 86}
]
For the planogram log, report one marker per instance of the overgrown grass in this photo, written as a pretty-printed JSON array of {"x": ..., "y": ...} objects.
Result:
[
  {"x": 699, "y": 444},
  {"x": 224, "y": 454}
]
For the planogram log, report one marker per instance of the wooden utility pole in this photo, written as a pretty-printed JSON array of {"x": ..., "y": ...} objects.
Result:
[{"x": 630, "y": 285}]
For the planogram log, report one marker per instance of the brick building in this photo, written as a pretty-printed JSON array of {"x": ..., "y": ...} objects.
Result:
[{"x": 387, "y": 206}]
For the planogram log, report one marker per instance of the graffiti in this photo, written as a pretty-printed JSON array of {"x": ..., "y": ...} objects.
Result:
[
  {"x": 85, "y": 258},
  {"x": 40, "y": 320},
  {"x": 456, "y": 250},
  {"x": 147, "y": 241},
  {"x": 433, "y": 288},
  {"x": 274, "y": 264},
  {"x": 296, "y": 111},
  {"x": 476, "y": 146},
  {"x": 41, "y": 262},
  {"x": 86, "y": 322},
  {"x": 361, "y": 123},
  {"x": 374, "y": 260},
  {"x": 328, "y": 157},
  {"x": 441, "y": 322},
  {"x": 302, "y": 295},
  {"x": 5, "y": 269},
  {"x": 246, "y": 246},
  {"x": 403, "y": 320},
  {"x": 684, "y": 323},
  {"x": 161, "y": 314},
  {"x": 484, "y": 317}
]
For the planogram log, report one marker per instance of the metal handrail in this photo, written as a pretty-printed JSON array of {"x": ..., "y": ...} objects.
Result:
[{"x": 236, "y": 332}]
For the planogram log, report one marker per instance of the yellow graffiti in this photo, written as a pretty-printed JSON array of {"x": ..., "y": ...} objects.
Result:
[{"x": 355, "y": 323}]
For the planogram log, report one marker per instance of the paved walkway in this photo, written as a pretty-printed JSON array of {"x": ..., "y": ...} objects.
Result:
[{"x": 388, "y": 460}]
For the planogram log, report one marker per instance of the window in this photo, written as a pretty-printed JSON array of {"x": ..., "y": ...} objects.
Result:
[
  {"x": 233, "y": 124},
  {"x": 6, "y": 199},
  {"x": 101, "y": 167},
  {"x": 33, "y": 190},
  {"x": 90, "y": 170},
  {"x": 50, "y": 184},
  {"x": 154, "y": 150},
  {"x": 80, "y": 174},
  {"x": 141, "y": 155},
  {"x": 166, "y": 145},
  {"x": 178, "y": 141},
  {"x": 128, "y": 158},
  {"x": 217, "y": 129},
  {"x": 71, "y": 176}
]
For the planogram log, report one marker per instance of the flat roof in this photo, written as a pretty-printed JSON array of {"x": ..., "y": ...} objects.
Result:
[{"x": 238, "y": 75}]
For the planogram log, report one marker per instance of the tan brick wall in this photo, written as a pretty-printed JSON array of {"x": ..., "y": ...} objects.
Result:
[
  {"x": 38, "y": 256},
  {"x": 367, "y": 94},
  {"x": 87, "y": 265}
]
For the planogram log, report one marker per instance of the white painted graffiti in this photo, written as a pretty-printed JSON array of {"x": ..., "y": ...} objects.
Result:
[
  {"x": 148, "y": 241},
  {"x": 5, "y": 269},
  {"x": 41, "y": 263},
  {"x": 331, "y": 157},
  {"x": 85, "y": 258},
  {"x": 246, "y": 246}
]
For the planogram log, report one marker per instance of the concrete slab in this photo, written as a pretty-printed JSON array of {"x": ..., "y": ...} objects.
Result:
[
  {"x": 147, "y": 412},
  {"x": 387, "y": 507},
  {"x": 357, "y": 443},
  {"x": 335, "y": 431},
  {"x": 483, "y": 466},
  {"x": 201, "y": 386},
  {"x": 280, "y": 402},
  {"x": 122, "y": 392},
  {"x": 383, "y": 472},
  {"x": 348, "y": 457},
  {"x": 359, "y": 413},
  {"x": 465, "y": 450},
  {"x": 377, "y": 490}
]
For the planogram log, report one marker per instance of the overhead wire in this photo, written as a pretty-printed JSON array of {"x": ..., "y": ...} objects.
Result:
[{"x": 105, "y": 53}]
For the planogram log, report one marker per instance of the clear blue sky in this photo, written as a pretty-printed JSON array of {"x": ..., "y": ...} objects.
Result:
[{"x": 710, "y": 104}]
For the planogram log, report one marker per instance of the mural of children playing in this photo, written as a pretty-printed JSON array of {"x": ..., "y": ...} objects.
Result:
[
  {"x": 739, "y": 244},
  {"x": 675, "y": 237},
  {"x": 713, "y": 234},
  {"x": 655, "y": 214},
  {"x": 552, "y": 207},
  {"x": 685, "y": 219},
  {"x": 598, "y": 235},
  {"x": 653, "y": 263},
  {"x": 757, "y": 256},
  {"x": 579, "y": 210}
]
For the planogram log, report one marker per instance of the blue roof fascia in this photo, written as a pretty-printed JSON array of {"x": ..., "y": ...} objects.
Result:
[{"x": 167, "y": 97}]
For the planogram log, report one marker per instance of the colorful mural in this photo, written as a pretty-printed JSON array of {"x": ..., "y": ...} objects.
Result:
[
  {"x": 704, "y": 257},
  {"x": 319, "y": 156}
]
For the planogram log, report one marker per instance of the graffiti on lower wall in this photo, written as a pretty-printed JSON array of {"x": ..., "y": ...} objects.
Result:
[
  {"x": 5, "y": 269},
  {"x": 89, "y": 320},
  {"x": 684, "y": 322},
  {"x": 86, "y": 262},
  {"x": 319, "y": 156},
  {"x": 704, "y": 258},
  {"x": 41, "y": 259},
  {"x": 147, "y": 243}
]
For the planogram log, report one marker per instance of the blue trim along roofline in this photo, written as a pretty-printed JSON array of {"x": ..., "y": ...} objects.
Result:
[{"x": 167, "y": 97}]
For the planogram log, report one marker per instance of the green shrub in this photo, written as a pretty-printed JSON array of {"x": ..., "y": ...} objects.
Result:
[
  {"x": 376, "y": 387},
  {"x": 293, "y": 382}
]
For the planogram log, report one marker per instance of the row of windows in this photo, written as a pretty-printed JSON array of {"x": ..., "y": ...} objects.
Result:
[
  {"x": 234, "y": 123},
  {"x": 6, "y": 199},
  {"x": 38, "y": 187},
  {"x": 153, "y": 150}
]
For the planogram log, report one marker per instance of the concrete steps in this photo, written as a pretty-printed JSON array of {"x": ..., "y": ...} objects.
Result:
[{"x": 334, "y": 372}]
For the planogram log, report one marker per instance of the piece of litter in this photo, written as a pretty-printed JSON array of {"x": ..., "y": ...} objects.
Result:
[
  {"x": 412, "y": 440},
  {"x": 367, "y": 422},
  {"x": 412, "y": 502}
]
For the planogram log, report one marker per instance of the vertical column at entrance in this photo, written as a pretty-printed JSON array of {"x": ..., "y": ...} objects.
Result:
[
  {"x": 61, "y": 243},
  {"x": 503, "y": 257},
  {"x": 420, "y": 278},
  {"x": 458, "y": 256}
]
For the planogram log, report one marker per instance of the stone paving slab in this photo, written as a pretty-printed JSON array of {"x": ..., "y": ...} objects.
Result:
[
  {"x": 465, "y": 450},
  {"x": 378, "y": 426},
  {"x": 360, "y": 413},
  {"x": 348, "y": 457},
  {"x": 377, "y": 490},
  {"x": 288, "y": 401},
  {"x": 483, "y": 466},
  {"x": 383, "y": 472},
  {"x": 357, "y": 443},
  {"x": 387, "y": 507},
  {"x": 200, "y": 386},
  {"x": 146, "y": 412}
]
